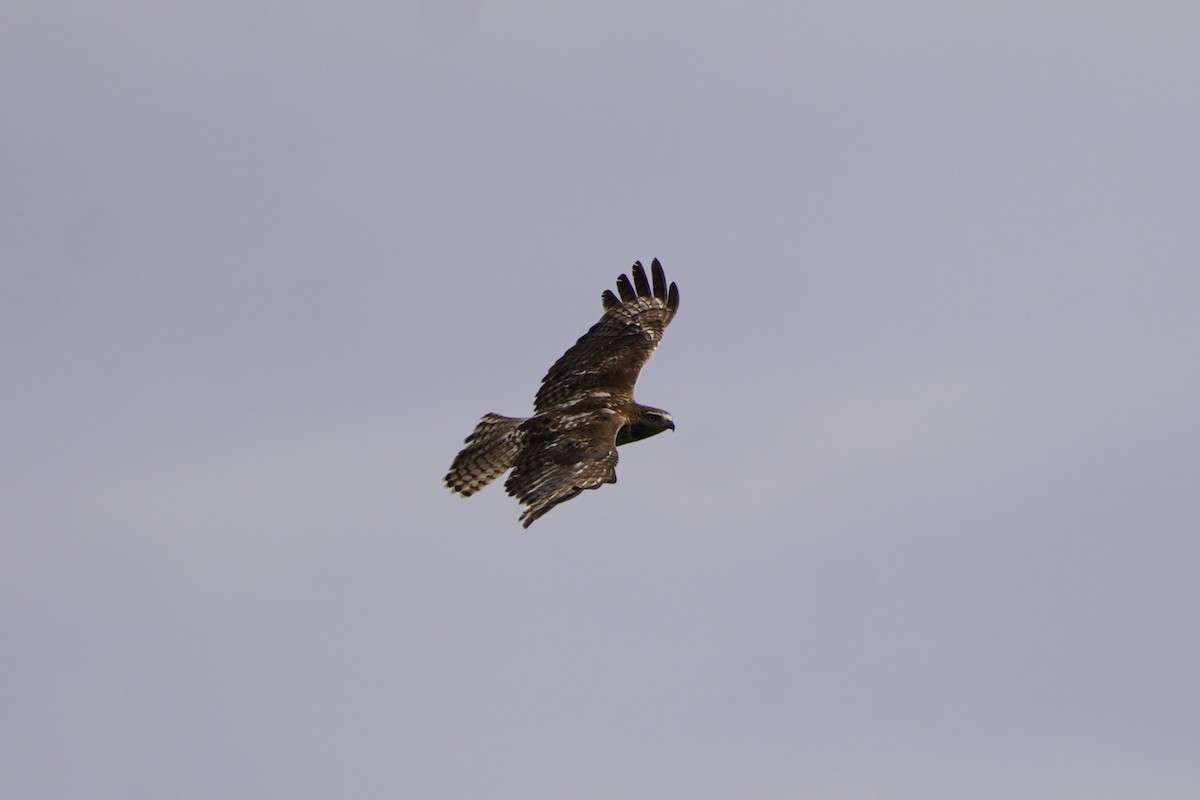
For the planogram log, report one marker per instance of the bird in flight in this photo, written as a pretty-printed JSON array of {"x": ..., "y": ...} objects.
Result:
[{"x": 584, "y": 409}]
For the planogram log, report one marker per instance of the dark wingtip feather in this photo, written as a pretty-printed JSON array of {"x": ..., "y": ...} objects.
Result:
[
  {"x": 673, "y": 297},
  {"x": 639, "y": 280},
  {"x": 626, "y": 290},
  {"x": 609, "y": 299},
  {"x": 660, "y": 280}
]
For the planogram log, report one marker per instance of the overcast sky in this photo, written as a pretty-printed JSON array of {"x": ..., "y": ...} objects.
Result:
[{"x": 928, "y": 527}]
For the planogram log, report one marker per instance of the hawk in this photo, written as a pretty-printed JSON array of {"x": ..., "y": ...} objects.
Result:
[{"x": 584, "y": 409}]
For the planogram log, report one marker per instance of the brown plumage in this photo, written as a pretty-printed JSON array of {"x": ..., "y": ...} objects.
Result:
[{"x": 583, "y": 410}]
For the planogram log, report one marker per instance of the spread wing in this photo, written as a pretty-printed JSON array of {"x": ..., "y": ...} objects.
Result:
[
  {"x": 564, "y": 454},
  {"x": 609, "y": 357}
]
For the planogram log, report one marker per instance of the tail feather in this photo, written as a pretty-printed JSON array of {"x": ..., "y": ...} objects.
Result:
[{"x": 491, "y": 449}]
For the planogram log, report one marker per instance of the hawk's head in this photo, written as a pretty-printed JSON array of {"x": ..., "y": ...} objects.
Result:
[{"x": 648, "y": 422}]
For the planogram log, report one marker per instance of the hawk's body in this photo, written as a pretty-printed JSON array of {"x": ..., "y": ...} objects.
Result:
[{"x": 583, "y": 410}]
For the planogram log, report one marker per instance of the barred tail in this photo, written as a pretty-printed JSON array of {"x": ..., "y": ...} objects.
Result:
[{"x": 491, "y": 449}]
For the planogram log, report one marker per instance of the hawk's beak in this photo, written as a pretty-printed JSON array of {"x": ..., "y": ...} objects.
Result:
[{"x": 671, "y": 424}]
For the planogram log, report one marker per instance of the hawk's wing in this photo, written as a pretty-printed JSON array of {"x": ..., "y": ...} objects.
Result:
[
  {"x": 609, "y": 356},
  {"x": 563, "y": 454}
]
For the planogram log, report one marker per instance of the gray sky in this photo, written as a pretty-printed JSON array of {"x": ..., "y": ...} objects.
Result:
[{"x": 928, "y": 525}]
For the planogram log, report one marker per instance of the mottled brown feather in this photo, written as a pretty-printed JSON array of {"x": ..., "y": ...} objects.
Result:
[
  {"x": 491, "y": 449},
  {"x": 563, "y": 456},
  {"x": 611, "y": 354}
]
